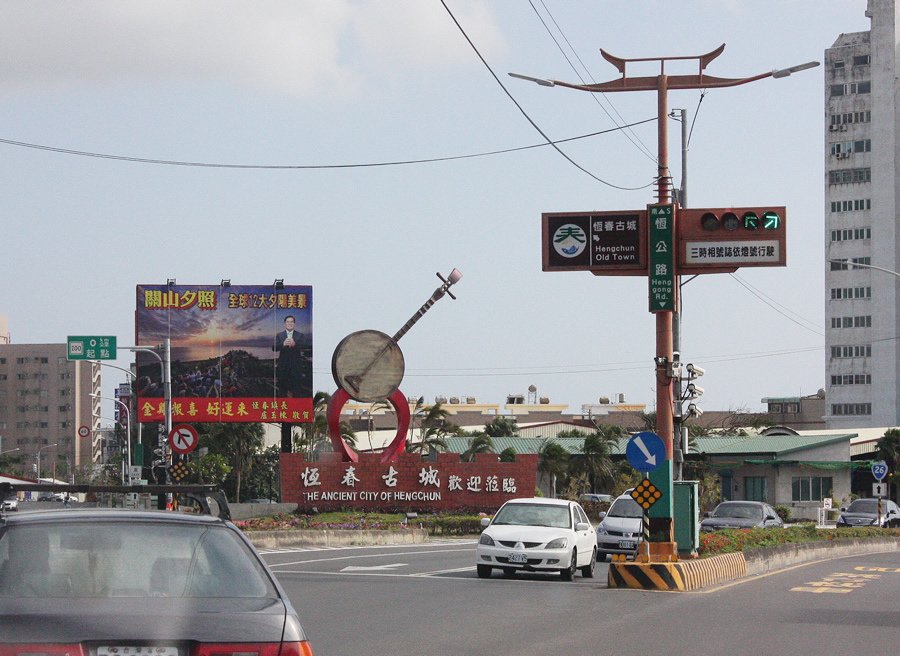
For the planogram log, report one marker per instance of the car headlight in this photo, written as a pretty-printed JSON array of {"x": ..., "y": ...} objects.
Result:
[
  {"x": 558, "y": 543},
  {"x": 486, "y": 540}
]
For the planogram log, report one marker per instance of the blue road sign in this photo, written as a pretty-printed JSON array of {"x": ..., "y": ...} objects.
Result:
[
  {"x": 645, "y": 451},
  {"x": 879, "y": 469}
]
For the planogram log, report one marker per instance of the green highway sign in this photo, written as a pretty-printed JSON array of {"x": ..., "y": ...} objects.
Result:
[
  {"x": 91, "y": 348},
  {"x": 661, "y": 240}
]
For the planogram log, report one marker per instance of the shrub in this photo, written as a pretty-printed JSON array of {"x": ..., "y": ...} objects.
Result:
[{"x": 784, "y": 512}]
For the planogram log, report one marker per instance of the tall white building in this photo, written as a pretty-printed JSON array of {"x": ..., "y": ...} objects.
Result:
[{"x": 862, "y": 305}]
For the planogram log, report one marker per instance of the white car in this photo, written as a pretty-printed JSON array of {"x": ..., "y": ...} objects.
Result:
[
  {"x": 537, "y": 535},
  {"x": 621, "y": 529},
  {"x": 9, "y": 504}
]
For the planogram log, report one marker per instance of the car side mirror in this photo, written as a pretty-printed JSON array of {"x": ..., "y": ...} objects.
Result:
[
  {"x": 707, "y": 514},
  {"x": 582, "y": 526},
  {"x": 485, "y": 522},
  {"x": 843, "y": 509},
  {"x": 601, "y": 515}
]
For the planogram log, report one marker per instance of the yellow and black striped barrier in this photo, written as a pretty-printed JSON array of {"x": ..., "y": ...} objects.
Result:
[{"x": 680, "y": 576}]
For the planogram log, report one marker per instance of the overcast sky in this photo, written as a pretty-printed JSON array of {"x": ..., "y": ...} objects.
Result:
[{"x": 306, "y": 84}]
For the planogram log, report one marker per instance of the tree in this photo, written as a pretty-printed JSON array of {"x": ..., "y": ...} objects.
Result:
[
  {"x": 508, "y": 454},
  {"x": 888, "y": 449},
  {"x": 553, "y": 463},
  {"x": 238, "y": 442},
  {"x": 210, "y": 469},
  {"x": 315, "y": 434},
  {"x": 501, "y": 426},
  {"x": 479, "y": 444},
  {"x": 432, "y": 424},
  {"x": 597, "y": 462}
]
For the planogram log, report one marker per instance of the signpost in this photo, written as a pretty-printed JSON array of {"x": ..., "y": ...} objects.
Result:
[
  {"x": 661, "y": 276},
  {"x": 91, "y": 348},
  {"x": 645, "y": 451}
]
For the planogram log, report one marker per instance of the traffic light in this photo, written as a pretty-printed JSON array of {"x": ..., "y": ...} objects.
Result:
[{"x": 716, "y": 240}]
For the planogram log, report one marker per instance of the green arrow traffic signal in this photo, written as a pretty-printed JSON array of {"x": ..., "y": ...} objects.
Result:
[{"x": 771, "y": 220}]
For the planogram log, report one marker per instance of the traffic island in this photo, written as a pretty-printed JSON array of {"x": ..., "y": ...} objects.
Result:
[{"x": 678, "y": 576}]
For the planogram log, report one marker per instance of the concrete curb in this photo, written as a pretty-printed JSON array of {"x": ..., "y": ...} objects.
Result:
[
  {"x": 687, "y": 575},
  {"x": 333, "y": 538}
]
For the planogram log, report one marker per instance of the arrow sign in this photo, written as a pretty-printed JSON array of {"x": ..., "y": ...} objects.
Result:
[
  {"x": 373, "y": 568},
  {"x": 645, "y": 451}
]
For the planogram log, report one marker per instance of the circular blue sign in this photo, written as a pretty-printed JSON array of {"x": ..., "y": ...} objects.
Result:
[
  {"x": 645, "y": 451},
  {"x": 879, "y": 470}
]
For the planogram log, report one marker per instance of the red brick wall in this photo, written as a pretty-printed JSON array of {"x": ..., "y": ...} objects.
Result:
[{"x": 419, "y": 485}]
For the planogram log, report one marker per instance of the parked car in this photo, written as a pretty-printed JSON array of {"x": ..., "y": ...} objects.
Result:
[
  {"x": 589, "y": 496},
  {"x": 741, "y": 514},
  {"x": 9, "y": 504},
  {"x": 537, "y": 535},
  {"x": 105, "y": 581},
  {"x": 621, "y": 528},
  {"x": 864, "y": 512}
]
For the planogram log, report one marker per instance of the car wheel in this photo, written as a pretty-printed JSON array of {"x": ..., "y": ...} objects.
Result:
[
  {"x": 484, "y": 571},
  {"x": 601, "y": 556},
  {"x": 588, "y": 570},
  {"x": 569, "y": 573}
]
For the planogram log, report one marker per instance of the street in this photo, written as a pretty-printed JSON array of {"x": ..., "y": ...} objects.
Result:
[{"x": 426, "y": 599}]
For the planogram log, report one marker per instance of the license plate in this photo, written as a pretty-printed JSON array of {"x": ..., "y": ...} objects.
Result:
[
  {"x": 518, "y": 558},
  {"x": 132, "y": 650},
  {"x": 627, "y": 544}
]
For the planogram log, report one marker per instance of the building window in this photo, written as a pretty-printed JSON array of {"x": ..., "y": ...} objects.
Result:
[
  {"x": 845, "y": 148},
  {"x": 851, "y": 379},
  {"x": 861, "y": 60},
  {"x": 857, "y": 205},
  {"x": 2, "y": 360},
  {"x": 851, "y": 409},
  {"x": 852, "y": 351},
  {"x": 811, "y": 488},
  {"x": 847, "y": 264},
  {"x": 851, "y": 234},
  {"x": 846, "y": 293},
  {"x": 850, "y": 176},
  {"x": 756, "y": 488},
  {"x": 792, "y": 408},
  {"x": 775, "y": 407},
  {"x": 850, "y": 88},
  {"x": 838, "y": 64}
]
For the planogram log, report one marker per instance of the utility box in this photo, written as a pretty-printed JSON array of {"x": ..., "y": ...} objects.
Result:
[{"x": 687, "y": 516}]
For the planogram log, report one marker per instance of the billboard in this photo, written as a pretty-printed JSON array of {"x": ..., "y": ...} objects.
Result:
[{"x": 239, "y": 353}]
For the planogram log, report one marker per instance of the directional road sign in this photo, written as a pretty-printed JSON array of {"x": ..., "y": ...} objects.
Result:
[
  {"x": 879, "y": 470},
  {"x": 645, "y": 451},
  {"x": 95, "y": 347},
  {"x": 661, "y": 275}
]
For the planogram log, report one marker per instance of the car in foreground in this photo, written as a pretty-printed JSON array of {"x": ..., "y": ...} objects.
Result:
[
  {"x": 9, "y": 504},
  {"x": 621, "y": 528},
  {"x": 107, "y": 582},
  {"x": 864, "y": 512},
  {"x": 537, "y": 535},
  {"x": 741, "y": 514}
]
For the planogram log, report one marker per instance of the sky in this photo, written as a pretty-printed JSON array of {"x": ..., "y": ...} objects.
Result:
[{"x": 288, "y": 139}]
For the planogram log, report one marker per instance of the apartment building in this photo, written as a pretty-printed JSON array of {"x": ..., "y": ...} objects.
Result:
[
  {"x": 44, "y": 401},
  {"x": 862, "y": 242}
]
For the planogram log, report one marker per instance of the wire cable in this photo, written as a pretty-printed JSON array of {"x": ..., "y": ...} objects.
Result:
[
  {"x": 144, "y": 160},
  {"x": 596, "y": 96},
  {"x": 778, "y": 307},
  {"x": 527, "y": 117}
]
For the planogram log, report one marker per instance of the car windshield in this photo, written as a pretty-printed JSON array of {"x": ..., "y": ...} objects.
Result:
[
  {"x": 534, "y": 514},
  {"x": 128, "y": 559},
  {"x": 869, "y": 506},
  {"x": 738, "y": 511},
  {"x": 625, "y": 507}
]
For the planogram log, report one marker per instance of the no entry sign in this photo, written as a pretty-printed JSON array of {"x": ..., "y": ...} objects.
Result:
[{"x": 183, "y": 438}]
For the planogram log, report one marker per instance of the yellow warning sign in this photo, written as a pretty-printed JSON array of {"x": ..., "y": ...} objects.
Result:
[{"x": 646, "y": 494}]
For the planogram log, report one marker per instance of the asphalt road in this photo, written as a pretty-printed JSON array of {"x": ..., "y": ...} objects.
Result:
[{"x": 426, "y": 599}]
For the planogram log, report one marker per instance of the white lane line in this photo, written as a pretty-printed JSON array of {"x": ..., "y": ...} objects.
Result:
[{"x": 356, "y": 556}]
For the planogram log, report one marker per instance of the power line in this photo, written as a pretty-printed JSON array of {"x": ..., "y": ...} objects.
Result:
[
  {"x": 780, "y": 309},
  {"x": 429, "y": 160},
  {"x": 525, "y": 114}
]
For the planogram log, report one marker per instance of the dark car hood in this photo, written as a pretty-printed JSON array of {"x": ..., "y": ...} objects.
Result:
[
  {"x": 76, "y": 620},
  {"x": 858, "y": 518},
  {"x": 729, "y": 522}
]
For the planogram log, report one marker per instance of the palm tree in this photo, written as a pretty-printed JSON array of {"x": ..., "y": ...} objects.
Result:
[
  {"x": 508, "y": 454},
  {"x": 240, "y": 442},
  {"x": 479, "y": 444},
  {"x": 432, "y": 427},
  {"x": 314, "y": 434},
  {"x": 432, "y": 438},
  {"x": 554, "y": 462},
  {"x": 597, "y": 461},
  {"x": 502, "y": 426}
]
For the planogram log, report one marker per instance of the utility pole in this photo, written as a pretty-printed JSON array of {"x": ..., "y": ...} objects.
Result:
[{"x": 664, "y": 230}]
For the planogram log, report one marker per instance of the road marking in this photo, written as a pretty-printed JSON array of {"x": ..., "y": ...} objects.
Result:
[
  {"x": 355, "y": 568},
  {"x": 445, "y": 571},
  {"x": 378, "y": 555},
  {"x": 837, "y": 582},
  {"x": 436, "y": 543}
]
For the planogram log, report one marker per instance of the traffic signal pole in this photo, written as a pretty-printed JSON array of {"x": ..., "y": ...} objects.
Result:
[{"x": 662, "y": 545}]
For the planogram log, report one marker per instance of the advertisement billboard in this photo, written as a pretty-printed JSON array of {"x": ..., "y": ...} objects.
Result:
[{"x": 239, "y": 353}]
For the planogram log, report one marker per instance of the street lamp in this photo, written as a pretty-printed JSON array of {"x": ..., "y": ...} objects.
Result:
[
  {"x": 662, "y": 525},
  {"x": 134, "y": 378},
  {"x": 851, "y": 265},
  {"x": 3, "y": 453},
  {"x": 126, "y": 467},
  {"x": 46, "y": 446}
]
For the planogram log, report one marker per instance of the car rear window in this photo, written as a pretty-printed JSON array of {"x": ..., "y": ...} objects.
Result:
[{"x": 128, "y": 559}]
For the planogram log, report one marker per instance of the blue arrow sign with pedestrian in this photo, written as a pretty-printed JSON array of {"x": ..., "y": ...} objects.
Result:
[{"x": 645, "y": 451}]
